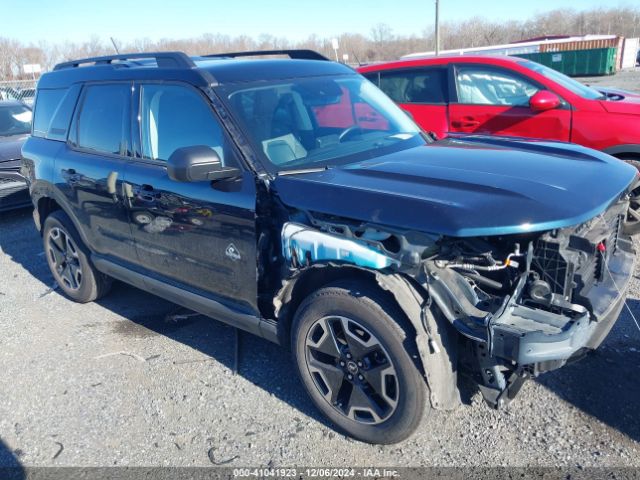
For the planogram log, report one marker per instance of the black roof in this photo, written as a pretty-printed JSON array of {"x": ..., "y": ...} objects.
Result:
[{"x": 202, "y": 71}]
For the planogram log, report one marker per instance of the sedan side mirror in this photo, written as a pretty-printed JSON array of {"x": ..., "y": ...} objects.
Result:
[
  {"x": 544, "y": 100},
  {"x": 197, "y": 164}
]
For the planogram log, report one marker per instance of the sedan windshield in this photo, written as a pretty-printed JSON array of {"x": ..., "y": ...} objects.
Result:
[
  {"x": 564, "y": 81},
  {"x": 14, "y": 120},
  {"x": 321, "y": 122}
]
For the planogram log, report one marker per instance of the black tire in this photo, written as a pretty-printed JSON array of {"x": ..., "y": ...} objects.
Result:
[
  {"x": 399, "y": 405},
  {"x": 631, "y": 161},
  {"x": 68, "y": 259}
]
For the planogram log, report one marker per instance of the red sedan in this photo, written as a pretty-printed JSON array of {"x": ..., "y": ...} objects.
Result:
[{"x": 510, "y": 96}]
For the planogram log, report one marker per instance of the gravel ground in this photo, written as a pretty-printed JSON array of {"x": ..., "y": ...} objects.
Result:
[
  {"x": 626, "y": 80},
  {"x": 115, "y": 383}
]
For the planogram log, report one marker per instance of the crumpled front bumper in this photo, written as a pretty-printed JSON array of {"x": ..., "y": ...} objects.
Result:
[{"x": 546, "y": 340}]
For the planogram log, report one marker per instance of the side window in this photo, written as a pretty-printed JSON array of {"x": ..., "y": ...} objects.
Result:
[
  {"x": 46, "y": 104},
  {"x": 425, "y": 85},
  {"x": 173, "y": 117},
  {"x": 103, "y": 122},
  {"x": 484, "y": 86}
]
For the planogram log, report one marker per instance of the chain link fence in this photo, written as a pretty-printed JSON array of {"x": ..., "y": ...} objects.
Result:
[{"x": 21, "y": 90}]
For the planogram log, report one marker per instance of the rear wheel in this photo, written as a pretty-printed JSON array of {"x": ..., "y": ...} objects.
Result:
[
  {"x": 354, "y": 360},
  {"x": 69, "y": 261}
]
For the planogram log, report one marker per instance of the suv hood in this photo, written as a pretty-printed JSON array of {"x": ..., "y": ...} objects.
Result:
[{"x": 467, "y": 186}]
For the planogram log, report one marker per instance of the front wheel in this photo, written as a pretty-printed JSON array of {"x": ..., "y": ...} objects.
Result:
[{"x": 355, "y": 361}]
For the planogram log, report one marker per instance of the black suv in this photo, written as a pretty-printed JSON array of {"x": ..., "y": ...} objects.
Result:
[{"x": 292, "y": 199}]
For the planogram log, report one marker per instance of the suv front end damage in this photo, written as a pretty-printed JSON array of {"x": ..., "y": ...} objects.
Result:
[{"x": 521, "y": 304}]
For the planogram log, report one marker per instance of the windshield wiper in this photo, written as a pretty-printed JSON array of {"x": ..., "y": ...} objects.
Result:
[{"x": 300, "y": 171}]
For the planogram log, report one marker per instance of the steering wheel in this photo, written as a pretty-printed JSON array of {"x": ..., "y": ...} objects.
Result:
[{"x": 349, "y": 132}]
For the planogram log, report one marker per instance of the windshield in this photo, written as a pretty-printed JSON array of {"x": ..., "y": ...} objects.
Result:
[
  {"x": 321, "y": 122},
  {"x": 14, "y": 120},
  {"x": 567, "y": 82}
]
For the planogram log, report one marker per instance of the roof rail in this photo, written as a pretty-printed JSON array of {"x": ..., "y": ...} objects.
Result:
[
  {"x": 300, "y": 54},
  {"x": 163, "y": 60}
]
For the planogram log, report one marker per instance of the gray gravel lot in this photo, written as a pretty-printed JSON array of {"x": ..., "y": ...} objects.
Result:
[
  {"x": 626, "y": 80},
  {"x": 114, "y": 383}
]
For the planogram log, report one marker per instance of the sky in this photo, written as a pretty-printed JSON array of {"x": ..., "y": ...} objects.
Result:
[{"x": 77, "y": 20}]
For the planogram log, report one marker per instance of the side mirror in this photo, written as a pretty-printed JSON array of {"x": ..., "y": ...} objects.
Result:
[
  {"x": 544, "y": 100},
  {"x": 197, "y": 164}
]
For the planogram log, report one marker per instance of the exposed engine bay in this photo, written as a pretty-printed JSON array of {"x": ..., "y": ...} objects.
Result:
[{"x": 522, "y": 304}]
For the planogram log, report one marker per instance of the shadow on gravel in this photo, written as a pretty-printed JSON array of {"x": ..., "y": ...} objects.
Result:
[
  {"x": 262, "y": 363},
  {"x": 10, "y": 467},
  {"x": 606, "y": 384},
  {"x": 20, "y": 240}
]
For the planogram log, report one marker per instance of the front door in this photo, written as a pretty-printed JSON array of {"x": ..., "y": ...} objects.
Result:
[
  {"x": 495, "y": 101},
  {"x": 91, "y": 170},
  {"x": 197, "y": 235}
]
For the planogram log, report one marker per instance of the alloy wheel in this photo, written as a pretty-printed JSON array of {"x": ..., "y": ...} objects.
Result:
[
  {"x": 63, "y": 255},
  {"x": 351, "y": 369}
]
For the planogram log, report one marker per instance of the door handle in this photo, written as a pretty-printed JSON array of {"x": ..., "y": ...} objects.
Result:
[
  {"x": 146, "y": 193},
  {"x": 465, "y": 123}
]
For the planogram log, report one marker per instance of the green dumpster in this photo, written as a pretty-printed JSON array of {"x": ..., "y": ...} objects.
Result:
[{"x": 597, "y": 61}]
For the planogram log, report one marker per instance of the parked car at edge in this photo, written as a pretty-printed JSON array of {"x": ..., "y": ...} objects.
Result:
[
  {"x": 501, "y": 95},
  {"x": 15, "y": 126},
  {"x": 291, "y": 198}
]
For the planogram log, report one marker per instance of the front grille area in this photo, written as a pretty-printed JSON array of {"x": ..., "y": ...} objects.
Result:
[
  {"x": 549, "y": 262},
  {"x": 573, "y": 260}
]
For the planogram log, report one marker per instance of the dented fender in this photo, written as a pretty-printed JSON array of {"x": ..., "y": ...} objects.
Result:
[{"x": 435, "y": 338}]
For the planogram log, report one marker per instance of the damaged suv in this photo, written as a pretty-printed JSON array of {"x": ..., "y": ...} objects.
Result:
[{"x": 292, "y": 199}]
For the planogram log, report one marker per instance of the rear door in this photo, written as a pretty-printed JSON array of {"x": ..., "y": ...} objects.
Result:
[
  {"x": 90, "y": 170},
  {"x": 495, "y": 101},
  {"x": 199, "y": 236},
  {"x": 422, "y": 92}
]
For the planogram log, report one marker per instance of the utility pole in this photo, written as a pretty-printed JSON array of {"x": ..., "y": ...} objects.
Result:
[{"x": 437, "y": 27}]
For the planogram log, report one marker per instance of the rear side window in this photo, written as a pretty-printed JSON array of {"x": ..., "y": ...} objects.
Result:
[
  {"x": 425, "y": 85},
  {"x": 103, "y": 122},
  {"x": 47, "y": 103}
]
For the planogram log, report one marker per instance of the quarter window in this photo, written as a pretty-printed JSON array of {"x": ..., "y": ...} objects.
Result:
[
  {"x": 483, "y": 86},
  {"x": 46, "y": 105},
  {"x": 103, "y": 124},
  {"x": 173, "y": 117}
]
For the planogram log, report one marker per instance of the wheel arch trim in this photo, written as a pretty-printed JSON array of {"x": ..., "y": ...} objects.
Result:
[{"x": 632, "y": 149}]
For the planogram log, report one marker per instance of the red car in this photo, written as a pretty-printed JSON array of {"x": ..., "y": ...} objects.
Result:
[{"x": 510, "y": 96}]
